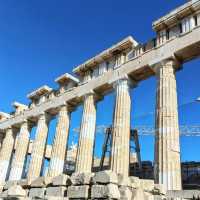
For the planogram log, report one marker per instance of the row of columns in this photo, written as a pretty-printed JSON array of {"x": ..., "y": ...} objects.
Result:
[{"x": 167, "y": 148}]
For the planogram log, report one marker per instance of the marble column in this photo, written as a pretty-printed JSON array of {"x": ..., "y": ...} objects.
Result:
[
  {"x": 87, "y": 134},
  {"x": 59, "y": 148},
  {"x": 39, "y": 146},
  {"x": 19, "y": 158},
  {"x": 121, "y": 128},
  {"x": 167, "y": 148},
  {"x": 6, "y": 153}
]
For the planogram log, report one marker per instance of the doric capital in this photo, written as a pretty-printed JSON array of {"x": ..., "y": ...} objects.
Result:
[
  {"x": 25, "y": 124},
  {"x": 10, "y": 131},
  {"x": 97, "y": 96},
  {"x": 65, "y": 106},
  {"x": 121, "y": 80},
  {"x": 9, "y": 128},
  {"x": 86, "y": 93},
  {"x": 89, "y": 92},
  {"x": 6, "y": 129},
  {"x": 174, "y": 63},
  {"x": 44, "y": 116}
]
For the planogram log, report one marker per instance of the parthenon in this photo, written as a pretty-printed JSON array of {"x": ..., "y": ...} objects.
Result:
[{"x": 117, "y": 69}]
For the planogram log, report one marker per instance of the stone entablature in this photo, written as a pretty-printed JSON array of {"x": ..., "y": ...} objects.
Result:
[
  {"x": 178, "y": 22},
  {"x": 175, "y": 16},
  {"x": 107, "y": 55},
  {"x": 40, "y": 95}
]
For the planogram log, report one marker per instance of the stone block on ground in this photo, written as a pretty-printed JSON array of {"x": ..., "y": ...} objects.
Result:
[
  {"x": 159, "y": 189},
  {"x": 56, "y": 191},
  {"x": 9, "y": 184},
  {"x": 81, "y": 178},
  {"x": 2, "y": 186},
  {"x": 184, "y": 194},
  {"x": 78, "y": 192},
  {"x": 135, "y": 182},
  {"x": 56, "y": 198},
  {"x": 125, "y": 193},
  {"x": 4, "y": 194},
  {"x": 24, "y": 183},
  {"x": 105, "y": 177},
  {"x": 61, "y": 180},
  {"x": 109, "y": 191},
  {"x": 138, "y": 194},
  {"x": 149, "y": 196},
  {"x": 37, "y": 193},
  {"x": 16, "y": 191},
  {"x": 123, "y": 180},
  {"x": 147, "y": 185},
  {"x": 41, "y": 182},
  {"x": 158, "y": 197}
]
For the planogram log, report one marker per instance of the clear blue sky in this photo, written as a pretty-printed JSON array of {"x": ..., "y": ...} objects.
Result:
[{"x": 42, "y": 39}]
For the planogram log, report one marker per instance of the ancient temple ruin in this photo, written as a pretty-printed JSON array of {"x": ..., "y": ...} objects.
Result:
[{"x": 118, "y": 69}]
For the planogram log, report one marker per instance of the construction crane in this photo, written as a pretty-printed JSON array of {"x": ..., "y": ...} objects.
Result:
[
  {"x": 134, "y": 137},
  {"x": 107, "y": 146},
  {"x": 142, "y": 130}
]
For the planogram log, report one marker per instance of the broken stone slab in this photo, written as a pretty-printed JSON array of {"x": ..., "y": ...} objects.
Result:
[
  {"x": 4, "y": 194},
  {"x": 78, "y": 192},
  {"x": 109, "y": 191},
  {"x": 56, "y": 198},
  {"x": 159, "y": 189},
  {"x": 60, "y": 191},
  {"x": 147, "y": 185},
  {"x": 41, "y": 182},
  {"x": 37, "y": 193},
  {"x": 16, "y": 191},
  {"x": 9, "y": 184},
  {"x": 135, "y": 182},
  {"x": 105, "y": 177},
  {"x": 1, "y": 186},
  {"x": 24, "y": 183},
  {"x": 125, "y": 193},
  {"x": 123, "y": 181},
  {"x": 149, "y": 195},
  {"x": 61, "y": 180},
  {"x": 138, "y": 194},
  {"x": 183, "y": 194},
  {"x": 81, "y": 178},
  {"x": 158, "y": 197}
]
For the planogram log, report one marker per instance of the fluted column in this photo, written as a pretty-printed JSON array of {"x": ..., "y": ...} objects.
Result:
[
  {"x": 167, "y": 147},
  {"x": 6, "y": 153},
  {"x": 17, "y": 164},
  {"x": 59, "y": 149},
  {"x": 121, "y": 128},
  {"x": 39, "y": 144},
  {"x": 86, "y": 137}
]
